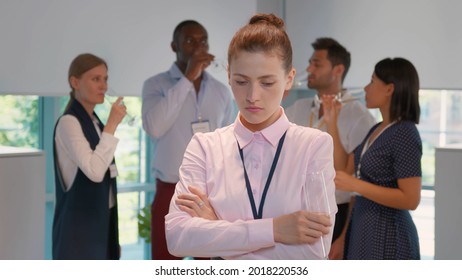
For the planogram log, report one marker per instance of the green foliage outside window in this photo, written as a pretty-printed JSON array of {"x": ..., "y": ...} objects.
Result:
[
  {"x": 144, "y": 223},
  {"x": 19, "y": 125}
]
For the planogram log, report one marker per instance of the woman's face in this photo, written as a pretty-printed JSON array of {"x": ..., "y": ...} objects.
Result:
[
  {"x": 258, "y": 82},
  {"x": 378, "y": 93},
  {"x": 91, "y": 87}
]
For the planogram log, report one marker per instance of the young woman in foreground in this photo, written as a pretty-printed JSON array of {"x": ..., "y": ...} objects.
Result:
[{"x": 244, "y": 189}]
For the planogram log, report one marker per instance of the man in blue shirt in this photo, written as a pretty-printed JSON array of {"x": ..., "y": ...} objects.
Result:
[{"x": 176, "y": 104}]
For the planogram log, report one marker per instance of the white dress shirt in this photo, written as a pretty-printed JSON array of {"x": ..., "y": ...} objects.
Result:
[
  {"x": 170, "y": 105},
  {"x": 213, "y": 164},
  {"x": 74, "y": 151}
]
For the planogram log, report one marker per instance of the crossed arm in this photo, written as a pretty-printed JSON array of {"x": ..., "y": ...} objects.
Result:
[{"x": 295, "y": 228}]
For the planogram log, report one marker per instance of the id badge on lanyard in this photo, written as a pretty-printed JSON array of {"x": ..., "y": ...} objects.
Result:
[{"x": 200, "y": 126}]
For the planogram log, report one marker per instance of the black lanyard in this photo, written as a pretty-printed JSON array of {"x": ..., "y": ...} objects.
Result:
[{"x": 259, "y": 214}]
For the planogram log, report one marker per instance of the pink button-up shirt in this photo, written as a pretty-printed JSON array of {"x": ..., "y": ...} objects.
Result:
[{"x": 213, "y": 164}]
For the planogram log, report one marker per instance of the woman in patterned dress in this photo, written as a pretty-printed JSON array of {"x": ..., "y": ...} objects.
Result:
[{"x": 387, "y": 168}]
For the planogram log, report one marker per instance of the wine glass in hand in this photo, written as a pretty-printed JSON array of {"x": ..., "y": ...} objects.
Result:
[
  {"x": 316, "y": 201},
  {"x": 111, "y": 97},
  {"x": 218, "y": 65}
]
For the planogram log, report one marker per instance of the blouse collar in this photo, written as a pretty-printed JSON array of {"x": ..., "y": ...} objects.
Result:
[{"x": 271, "y": 134}]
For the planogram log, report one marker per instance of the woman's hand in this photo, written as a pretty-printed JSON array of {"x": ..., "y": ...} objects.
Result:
[
  {"x": 337, "y": 248},
  {"x": 345, "y": 182},
  {"x": 300, "y": 227},
  {"x": 117, "y": 114},
  {"x": 331, "y": 107},
  {"x": 196, "y": 204}
]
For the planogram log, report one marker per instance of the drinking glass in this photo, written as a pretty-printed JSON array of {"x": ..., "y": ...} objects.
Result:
[
  {"x": 339, "y": 98},
  {"x": 317, "y": 201},
  {"x": 300, "y": 81},
  {"x": 218, "y": 65},
  {"x": 111, "y": 97}
]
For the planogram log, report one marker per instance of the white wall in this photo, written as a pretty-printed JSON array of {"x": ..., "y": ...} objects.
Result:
[
  {"x": 39, "y": 39},
  {"x": 427, "y": 32}
]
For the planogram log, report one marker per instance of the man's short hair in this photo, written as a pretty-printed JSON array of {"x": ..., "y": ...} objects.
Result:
[
  {"x": 177, "y": 31},
  {"x": 336, "y": 53}
]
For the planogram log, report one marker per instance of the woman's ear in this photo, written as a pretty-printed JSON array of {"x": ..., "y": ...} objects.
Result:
[
  {"x": 74, "y": 82},
  {"x": 390, "y": 89},
  {"x": 290, "y": 79}
]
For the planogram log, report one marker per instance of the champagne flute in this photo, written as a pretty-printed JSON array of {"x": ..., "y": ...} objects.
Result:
[
  {"x": 339, "y": 97},
  {"x": 317, "y": 201},
  {"x": 218, "y": 65},
  {"x": 110, "y": 94},
  {"x": 300, "y": 81}
]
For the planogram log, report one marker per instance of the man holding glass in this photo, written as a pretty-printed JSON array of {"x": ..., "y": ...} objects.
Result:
[
  {"x": 327, "y": 70},
  {"x": 176, "y": 104}
]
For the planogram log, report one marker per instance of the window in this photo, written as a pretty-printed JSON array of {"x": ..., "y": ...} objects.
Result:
[
  {"x": 440, "y": 124},
  {"x": 19, "y": 125}
]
